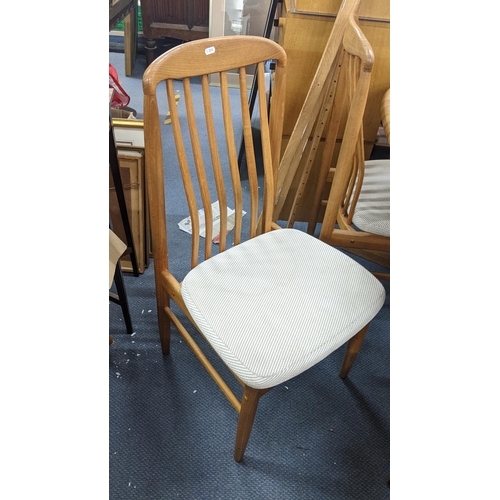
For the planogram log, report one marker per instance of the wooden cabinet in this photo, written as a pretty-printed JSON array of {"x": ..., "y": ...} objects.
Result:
[
  {"x": 129, "y": 142},
  {"x": 304, "y": 29},
  {"x": 180, "y": 19},
  {"x": 132, "y": 173}
]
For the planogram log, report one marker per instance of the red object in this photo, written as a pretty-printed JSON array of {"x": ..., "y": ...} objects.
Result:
[{"x": 120, "y": 97}]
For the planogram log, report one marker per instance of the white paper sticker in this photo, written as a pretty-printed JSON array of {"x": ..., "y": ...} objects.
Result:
[{"x": 209, "y": 51}]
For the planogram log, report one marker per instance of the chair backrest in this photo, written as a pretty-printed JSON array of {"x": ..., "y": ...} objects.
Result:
[
  {"x": 354, "y": 76},
  {"x": 314, "y": 113},
  {"x": 201, "y": 154},
  {"x": 340, "y": 101}
]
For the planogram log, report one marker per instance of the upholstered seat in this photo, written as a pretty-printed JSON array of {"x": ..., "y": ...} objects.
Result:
[
  {"x": 270, "y": 313},
  {"x": 373, "y": 210}
]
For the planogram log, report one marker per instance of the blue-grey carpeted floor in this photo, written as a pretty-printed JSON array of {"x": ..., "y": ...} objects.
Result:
[{"x": 172, "y": 431}]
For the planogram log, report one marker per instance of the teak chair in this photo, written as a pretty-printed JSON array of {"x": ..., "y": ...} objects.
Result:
[
  {"x": 357, "y": 213},
  {"x": 314, "y": 113},
  {"x": 278, "y": 302},
  {"x": 356, "y": 203}
]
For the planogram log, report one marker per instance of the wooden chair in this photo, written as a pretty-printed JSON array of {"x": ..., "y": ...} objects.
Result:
[
  {"x": 351, "y": 196},
  {"x": 314, "y": 117},
  {"x": 270, "y": 303},
  {"x": 357, "y": 212}
]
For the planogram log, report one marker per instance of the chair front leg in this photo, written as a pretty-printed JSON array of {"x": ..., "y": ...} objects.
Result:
[
  {"x": 352, "y": 350},
  {"x": 245, "y": 421}
]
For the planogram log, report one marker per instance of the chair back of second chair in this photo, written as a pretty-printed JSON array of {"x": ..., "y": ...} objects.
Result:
[{"x": 349, "y": 184}]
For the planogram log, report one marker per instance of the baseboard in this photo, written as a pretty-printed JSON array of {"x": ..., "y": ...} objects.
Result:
[
  {"x": 119, "y": 33},
  {"x": 116, "y": 43}
]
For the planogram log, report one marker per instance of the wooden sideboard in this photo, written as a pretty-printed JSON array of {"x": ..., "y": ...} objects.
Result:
[
  {"x": 180, "y": 19},
  {"x": 304, "y": 28}
]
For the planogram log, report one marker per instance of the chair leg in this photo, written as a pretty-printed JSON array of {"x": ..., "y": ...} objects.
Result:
[
  {"x": 163, "y": 301},
  {"x": 352, "y": 350},
  {"x": 245, "y": 421}
]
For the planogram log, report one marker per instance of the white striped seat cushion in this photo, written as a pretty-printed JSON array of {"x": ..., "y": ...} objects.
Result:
[
  {"x": 279, "y": 303},
  {"x": 373, "y": 210}
]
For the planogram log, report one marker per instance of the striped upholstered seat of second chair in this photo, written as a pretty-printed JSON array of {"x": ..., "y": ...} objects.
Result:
[{"x": 373, "y": 210}]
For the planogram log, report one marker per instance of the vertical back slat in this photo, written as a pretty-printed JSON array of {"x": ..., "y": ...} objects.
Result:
[
  {"x": 249, "y": 153},
  {"x": 186, "y": 177},
  {"x": 268, "y": 194},
  {"x": 276, "y": 125},
  {"x": 358, "y": 161},
  {"x": 216, "y": 167},
  {"x": 352, "y": 74},
  {"x": 359, "y": 167},
  {"x": 199, "y": 165},
  {"x": 232, "y": 156},
  {"x": 222, "y": 205}
]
